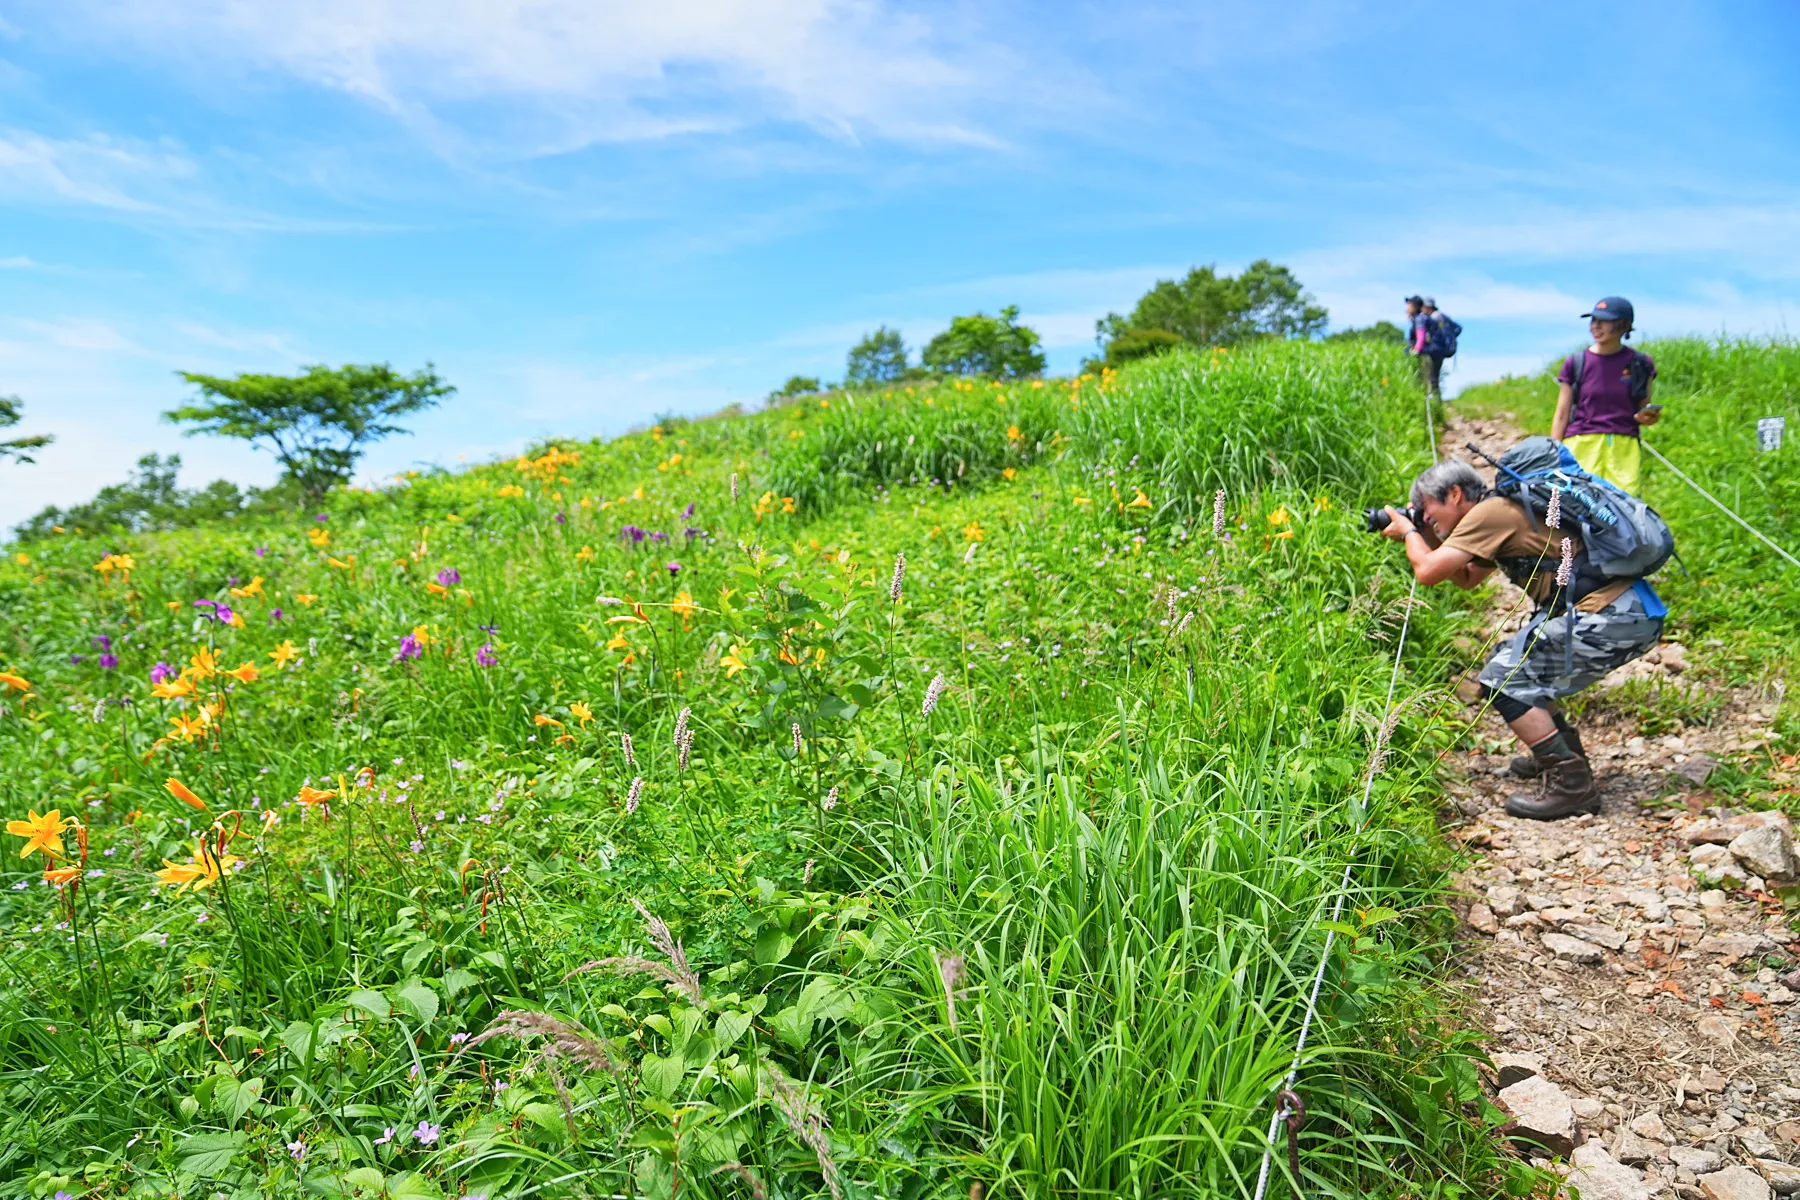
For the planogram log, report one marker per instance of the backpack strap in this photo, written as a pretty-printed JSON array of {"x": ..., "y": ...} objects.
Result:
[{"x": 1577, "y": 364}]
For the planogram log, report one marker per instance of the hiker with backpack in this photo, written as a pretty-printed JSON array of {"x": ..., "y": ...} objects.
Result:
[
  {"x": 1581, "y": 549},
  {"x": 1605, "y": 397},
  {"x": 1431, "y": 338}
]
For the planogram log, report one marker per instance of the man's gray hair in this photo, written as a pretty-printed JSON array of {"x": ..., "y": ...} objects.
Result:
[{"x": 1436, "y": 481}]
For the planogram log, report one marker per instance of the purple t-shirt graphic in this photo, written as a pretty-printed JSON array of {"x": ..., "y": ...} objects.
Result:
[{"x": 1605, "y": 404}]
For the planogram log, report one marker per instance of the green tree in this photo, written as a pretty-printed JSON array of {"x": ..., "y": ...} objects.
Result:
[
  {"x": 1139, "y": 343},
  {"x": 148, "y": 500},
  {"x": 11, "y": 407},
  {"x": 982, "y": 345},
  {"x": 1380, "y": 331},
  {"x": 879, "y": 358},
  {"x": 1210, "y": 309},
  {"x": 317, "y": 423},
  {"x": 797, "y": 385}
]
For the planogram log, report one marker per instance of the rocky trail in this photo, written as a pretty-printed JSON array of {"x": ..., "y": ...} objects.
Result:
[{"x": 1635, "y": 969}]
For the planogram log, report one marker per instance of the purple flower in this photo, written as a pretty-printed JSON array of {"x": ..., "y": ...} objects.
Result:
[
  {"x": 672, "y": 567},
  {"x": 231, "y": 581},
  {"x": 687, "y": 512},
  {"x": 75, "y": 660},
  {"x": 322, "y": 518},
  {"x": 261, "y": 551},
  {"x": 449, "y": 577},
  {"x": 162, "y": 672},
  {"x": 632, "y": 534},
  {"x": 490, "y": 630},
  {"x": 692, "y": 532},
  {"x": 387, "y": 1135},
  {"x": 218, "y": 610},
  {"x": 102, "y": 641},
  {"x": 297, "y": 1148},
  {"x": 426, "y": 1133},
  {"x": 561, "y": 519},
  {"x": 109, "y": 662},
  {"x": 457, "y": 1039},
  {"x": 485, "y": 655},
  {"x": 409, "y": 648},
  {"x": 418, "y": 847},
  {"x": 276, "y": 615},
  {"x": 659, "y": 536}
]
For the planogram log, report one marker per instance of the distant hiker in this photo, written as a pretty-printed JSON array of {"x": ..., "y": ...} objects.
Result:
[
  {"x": 1605, "y": 397},
  {"x": 1588, "y": 621},
  {"x": 1432, "y": 338}
]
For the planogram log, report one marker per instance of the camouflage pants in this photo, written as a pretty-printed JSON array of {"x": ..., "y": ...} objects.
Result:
[{"x": 1559, "y": 656}]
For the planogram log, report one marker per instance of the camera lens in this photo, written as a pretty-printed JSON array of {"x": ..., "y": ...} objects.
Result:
[{"x": 1376, "y": 519}]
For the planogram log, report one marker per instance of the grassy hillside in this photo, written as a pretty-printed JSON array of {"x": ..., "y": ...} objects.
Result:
[{"x": 625, "y": 820}]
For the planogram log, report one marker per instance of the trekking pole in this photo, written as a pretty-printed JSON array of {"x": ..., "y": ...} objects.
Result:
[{"x": 1717, "y": 503}]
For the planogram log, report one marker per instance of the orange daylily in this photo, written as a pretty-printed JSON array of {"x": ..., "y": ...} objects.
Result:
[
  {"x": 973, "y": 531},
  {"x": 1140, "y": 500},
  {"x": 40, "y": 833},
  {"x": 284, "y": 653},
  {"x": 1279, "y": 516},
  {"x": 187, "y": 728},
  {"x": 436, "y": 588},
  {"x": 581, "y": 712},
  {"x": 16, "y": 682},
  {"x": 619, "y": 642},
  {"x": 180, "y": 791},
  {"x": 305, "y": 598},
  {"x": 61, "y": 875},
  {"x": 311, "y": 795},
  {"x": 253, "y": 588},
  {"x": 202, "y": 665},
  {"x": 319, "y": 537},
  {"x": 342, "y": 566},
  {"x": 733, "y": 661},
  {"x": 245, "y": 673},
  {"x": 171, "y": 689},
  {"x": 683, "y": 605},
  {"x": 541, "y": 720}
]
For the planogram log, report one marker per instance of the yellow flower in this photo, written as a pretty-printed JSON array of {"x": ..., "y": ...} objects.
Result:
[
  {"x": 1322, "y": 503},
  {"x": 22, "y": 558},
  {"x": 683, "y": 605},
  {"x": 305, "y": 598},
  {"x": 787, "y": 504},
  {"x": 435, "y": 588},
  {"x": 787, "y": 656},
  {"x": 310, "y": 796},
  {"x": 41, "y": 833},
  {"x": 1286, "y": 533},
  {"x": 245, "y": 673},
  {"x": 237, "y": 620},
  {"x": 284, "y": 653},
  {"x": 796, "y": 434},
  {"x": 319, "y": 537},
  {"x": 186, "y": 728},
  {"x": 16, "y": 682},
  {"x": 586, "y": 553},
  {"x": 253, "y": 588},
  {"x": 619, "y": 641},
  {"x": 421, "y": 635},
  {"x": 342, "y": 566},
  {"x": 511, "y": 489},
  {"x": 172, "y": 689},
  {"x": 973, "y": 531},
  {"x": 1013, "y": 434},
  {"x": 542, "y": 719},
  {"x": 180, "y": 791},
  {"x": 58, "y": 876},
  {"x": 202, "y": 665},
  {"x": 733, "y": 662},
  {"x": 1279, "y": 516},
  {"x": 581, "y": 712},
  {"x": 1140, "y": 500},
  {"x": 1082, "y": 500}
]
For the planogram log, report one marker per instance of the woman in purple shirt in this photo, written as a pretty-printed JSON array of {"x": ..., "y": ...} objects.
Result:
[{"x": 1605, "y": 397}]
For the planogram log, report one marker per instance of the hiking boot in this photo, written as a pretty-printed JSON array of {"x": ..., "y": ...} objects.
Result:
[
  {"x": 1569, "y": 788},
  {"x": 1530, "y": 766}
]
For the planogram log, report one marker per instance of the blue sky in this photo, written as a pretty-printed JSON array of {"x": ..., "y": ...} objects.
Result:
[{"x": 587, "y": 213}]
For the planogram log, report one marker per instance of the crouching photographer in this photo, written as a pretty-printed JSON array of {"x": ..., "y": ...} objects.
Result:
[{"x": 1587, "y": 622}]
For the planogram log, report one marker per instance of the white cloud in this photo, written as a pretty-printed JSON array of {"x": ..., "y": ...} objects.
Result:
[
  {"x": 600, "y": 70},
  {"x": 104, "y": 172}
]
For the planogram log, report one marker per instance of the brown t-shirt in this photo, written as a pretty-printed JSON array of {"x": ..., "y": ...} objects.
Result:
[{"x": 1496, "y": 529}]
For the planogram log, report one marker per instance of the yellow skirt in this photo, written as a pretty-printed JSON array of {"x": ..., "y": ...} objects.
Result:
[{"x": 1614, "y": 457}]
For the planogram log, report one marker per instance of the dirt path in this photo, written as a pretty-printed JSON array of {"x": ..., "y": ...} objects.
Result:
[{"x": 1634, "y": 968}]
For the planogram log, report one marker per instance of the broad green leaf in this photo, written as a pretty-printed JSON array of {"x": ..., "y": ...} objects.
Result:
[
  {"x": 413, "y": 1186},
  {"x": 548, "y": 1117},
  {"x": 416, "y": 954},
  {"x": 301, "y": 1038},
  {"x": 366, "y": 1177},
  {"x": 458, "y": 980},
  {"x": 418, "y": 1000},
  {"x": 662, "y": 1075},
  {"x": 373, "y": 1003},
  {"x": 792, "y": 1025},
  {"x": 731, "y": 1027},
  {"x": 180, "y": 1031},
  {"x": 209, "y": 1155},
  {"x": 248, "y": 1093}
]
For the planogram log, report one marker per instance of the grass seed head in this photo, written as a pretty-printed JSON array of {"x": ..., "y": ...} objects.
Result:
[
  {"x": 899, "y": 577},
  {"x": 932, "y": 691},
  {"x": 807, "y": 1121}
]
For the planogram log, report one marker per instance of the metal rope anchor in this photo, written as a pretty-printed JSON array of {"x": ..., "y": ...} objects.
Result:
[{"x": 1291, "y": 1111}]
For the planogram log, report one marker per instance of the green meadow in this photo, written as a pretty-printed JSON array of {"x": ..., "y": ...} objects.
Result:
[{"x": 933, "y": 791}]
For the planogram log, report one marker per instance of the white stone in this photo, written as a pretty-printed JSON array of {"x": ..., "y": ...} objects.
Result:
[
  {"x": 1541, "y": 1113},
  {"x": 1692, "y": 1158},
  {"x": 1602, "y": 1177},
  {"x": 1650, "y": 1125},
  {"x": 1735, "y": 1183},
  {"x": 1573, "y": 949},
  {"x": 1767, "y": 851}
]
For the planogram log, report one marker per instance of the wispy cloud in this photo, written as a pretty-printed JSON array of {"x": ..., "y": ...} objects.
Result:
[{"x": 100, "y": 171}]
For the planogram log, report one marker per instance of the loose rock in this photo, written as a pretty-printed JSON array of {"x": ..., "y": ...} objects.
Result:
[
  {"x": 1602, "y": 1177},
  {"x": 1692, "y": 1158},
  {"x": 1767, "y": 852},
  {"x": 1516, "y": 1066},
  {"x": 1735, "y": 1183},
  {"x": 1573, "y": 949},
  {"x": 1481, "y": 919},
  {"x": 1541, "y": 1114}
]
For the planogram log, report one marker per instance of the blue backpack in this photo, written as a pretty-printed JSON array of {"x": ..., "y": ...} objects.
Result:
[
  {"x": 1621, "y": 536},
  {"x": 1442, "y": 334}
]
